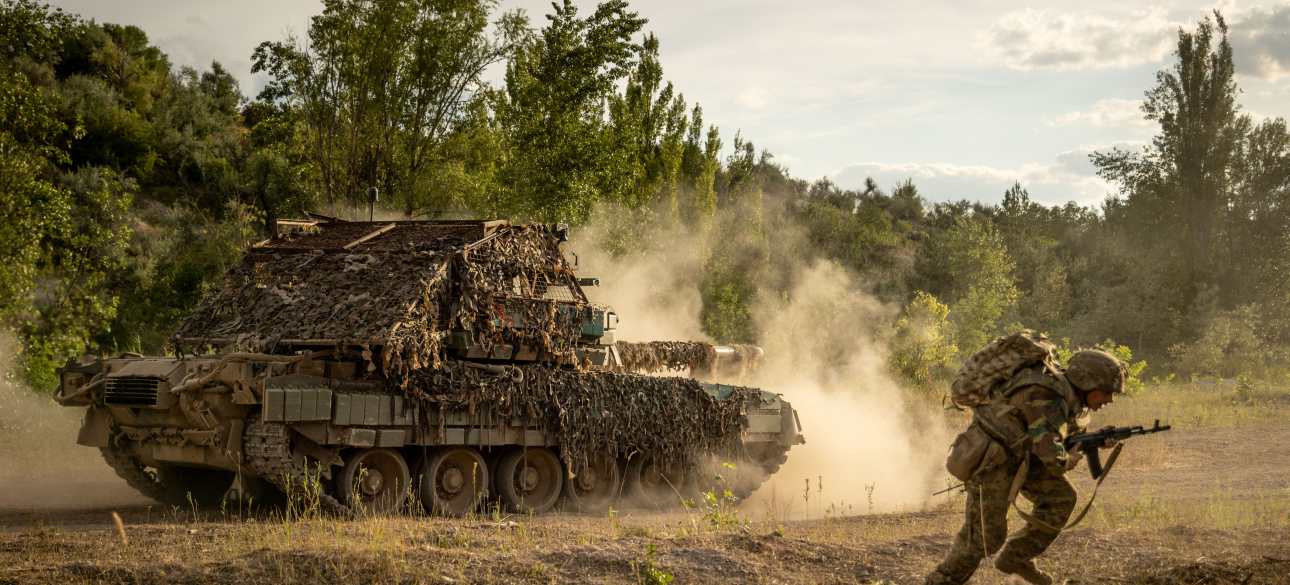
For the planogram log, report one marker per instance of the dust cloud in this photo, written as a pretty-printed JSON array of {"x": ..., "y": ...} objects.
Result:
[
  {"x": 655, "y": 296},
  {"x": 871, "y": 446},
  {"x": 822, "y": 353},
  {"x": 41, "y": 466}
]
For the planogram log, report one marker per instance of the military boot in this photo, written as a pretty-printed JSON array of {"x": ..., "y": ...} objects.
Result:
[{"x": 1024, "y": 569}]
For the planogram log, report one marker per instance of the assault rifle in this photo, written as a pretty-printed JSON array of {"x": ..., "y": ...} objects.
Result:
[{"x": 1089, "y": 443}]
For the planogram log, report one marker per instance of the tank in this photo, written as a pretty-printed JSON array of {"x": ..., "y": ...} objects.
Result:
[{"x": 456, "y": 364}]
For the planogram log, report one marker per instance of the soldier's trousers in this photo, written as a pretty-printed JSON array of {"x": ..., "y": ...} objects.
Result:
[{"x": 1054, "y": 499}]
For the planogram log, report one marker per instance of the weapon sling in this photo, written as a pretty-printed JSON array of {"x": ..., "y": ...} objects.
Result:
[{"x": 1021, "y": 477}]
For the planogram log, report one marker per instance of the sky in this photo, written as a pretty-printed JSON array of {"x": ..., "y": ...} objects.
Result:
[{"x": 962, "y": 97}]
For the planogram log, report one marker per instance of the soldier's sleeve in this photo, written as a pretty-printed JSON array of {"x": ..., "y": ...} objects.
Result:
[{"x": 1045, "y": 414}]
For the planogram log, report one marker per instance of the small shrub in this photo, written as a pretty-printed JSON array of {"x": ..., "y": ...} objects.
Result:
[
  {"x": 1244, "y": 387},
  {"x": 720, "y": 511},
  {"x": 649, "y": 569},
  {"x": 922, "y": 342}
]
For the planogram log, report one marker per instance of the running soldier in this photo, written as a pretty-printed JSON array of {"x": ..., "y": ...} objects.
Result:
[{"x": 1030, "y": 418}]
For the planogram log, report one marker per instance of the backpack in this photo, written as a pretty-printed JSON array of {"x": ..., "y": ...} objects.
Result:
[{"x": 997, "y": 362}]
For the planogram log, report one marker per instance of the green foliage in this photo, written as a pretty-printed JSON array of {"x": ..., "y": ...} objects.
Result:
[
  {"x": 31, "y": 208},
  {"x": 183, "y": 255},
  {"x": 980, "y": 279},
  {"x": 922, "y": 346},
  {"x": 381, "y": 95},
  {"x": 648, "y": 126},
  {"x": 59, "y": 237},
  {"x": 92, "y": 115},
  {"x": 720, "y": 511},
  {"x": 728, "y": 295},
  {"x": 650, "y": 570},
  {"x": 1244, "y": 387},
  {"x": 1229, "y": 344},
  {"x": 1205, "y": 191},
  {"x": 562, "y": 155}
]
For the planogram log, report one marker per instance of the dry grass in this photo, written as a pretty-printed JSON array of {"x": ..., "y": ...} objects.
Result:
[
  {"x": 1206, "y": 503},
  {"x": 1209, "y": 404}
]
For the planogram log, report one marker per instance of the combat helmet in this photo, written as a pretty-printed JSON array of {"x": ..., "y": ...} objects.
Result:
[{"x": 1091, "y": 369}]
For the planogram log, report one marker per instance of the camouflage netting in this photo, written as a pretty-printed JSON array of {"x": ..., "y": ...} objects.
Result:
[
  {"x": 392, "y": 298},
  {"x": 518, "y": 290},
  {"x": 511, "y": 288},
  {"x": 589, "y": 411},
  {"x": 701, "y": 358},
  {"x": 653, "y": 356}
]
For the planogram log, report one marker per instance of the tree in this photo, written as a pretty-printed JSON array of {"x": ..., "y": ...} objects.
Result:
[
  {"x": 378, "y": 85},
  {"x": 32, "y": 34},
  {"x": 648, "y": 125},
  {"x": 560, "y": 156},
  {"x": 61, "y": 240},
  {"x": 981, "y": 281},
  {"x": 32, "y": 209},
  {"x": 700, "y": 162},
  {"x": 1016, "y": 199},
  {"x": 1259, "y": 215},
  {"x": 1182, "y": 181}
]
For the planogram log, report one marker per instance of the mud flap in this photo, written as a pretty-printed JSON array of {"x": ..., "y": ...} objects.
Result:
[{"x": 94, "y": 430}]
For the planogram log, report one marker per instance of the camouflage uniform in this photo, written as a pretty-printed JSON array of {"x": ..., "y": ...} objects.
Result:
[{"x": 1046, "y": 416}]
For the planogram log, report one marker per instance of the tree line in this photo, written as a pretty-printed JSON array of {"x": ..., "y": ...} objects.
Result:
[{"x": 128, "y": 186}]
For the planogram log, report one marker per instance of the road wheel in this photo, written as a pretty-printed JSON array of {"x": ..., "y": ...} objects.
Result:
[
  {"x": 375, "y": 480},
  {"x": 652, "y": 482},
  {"x": 594, "y": 486},
  {"x": 453, "y": 481},
  {"x": 529, "y": 480}
]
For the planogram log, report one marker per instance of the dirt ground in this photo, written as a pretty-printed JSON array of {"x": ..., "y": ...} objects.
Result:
[{"x": 1208, "y": 504}]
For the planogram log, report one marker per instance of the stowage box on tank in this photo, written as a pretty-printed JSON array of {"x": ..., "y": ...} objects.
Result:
[{"x": 457, "y": 361}]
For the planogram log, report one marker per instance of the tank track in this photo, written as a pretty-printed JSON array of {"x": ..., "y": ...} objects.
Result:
[
  {"x": 137, "y": 476},
  {"x": 269, "y": 454}
]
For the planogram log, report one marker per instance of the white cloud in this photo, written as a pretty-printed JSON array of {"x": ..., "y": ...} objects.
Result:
[
  {"x": 1028, "y": 39},
  {"x": 1071, "y": 177},
  {"x": 1261, "y": 41},
  {"x": 1108, "y": 112}
]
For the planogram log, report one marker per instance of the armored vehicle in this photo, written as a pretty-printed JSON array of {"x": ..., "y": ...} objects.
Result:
[{"x": 458, "y": 362}]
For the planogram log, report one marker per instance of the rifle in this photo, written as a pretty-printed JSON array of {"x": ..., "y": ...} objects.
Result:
[{"x": 1089, "y": 443}]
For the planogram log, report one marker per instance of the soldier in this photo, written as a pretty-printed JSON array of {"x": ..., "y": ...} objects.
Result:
[{"x": 1031, "y": 416}]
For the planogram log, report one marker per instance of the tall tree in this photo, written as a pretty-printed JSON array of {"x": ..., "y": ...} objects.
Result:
[
  {"x": 553, "y": 112},
  {"x": 1182, "y": 181},
  {"x": 648, "y": 124},
  {"x": 1259, "y": 214},
  {"x": 378, "y": 84}
]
